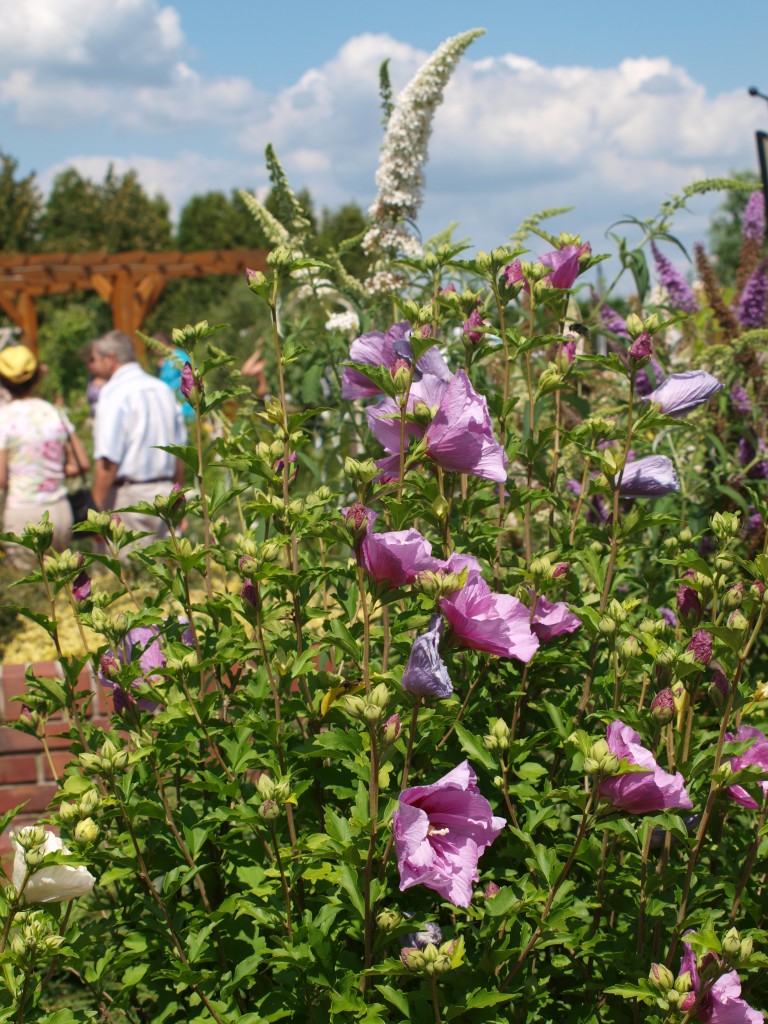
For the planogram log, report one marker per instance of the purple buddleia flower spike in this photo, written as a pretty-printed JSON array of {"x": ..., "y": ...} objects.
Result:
[
  {"x": 678, "y": 290},
  {"x": 753, "y": 220},
  {"x": 751, "y": 308},
  {"x": 740, "y": 400}
]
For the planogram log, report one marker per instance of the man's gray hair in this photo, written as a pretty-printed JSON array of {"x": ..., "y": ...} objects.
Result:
[{"x": 117, "y": 344}]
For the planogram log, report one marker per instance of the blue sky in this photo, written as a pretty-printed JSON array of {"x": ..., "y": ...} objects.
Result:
[{"x": 610, "y": 108}]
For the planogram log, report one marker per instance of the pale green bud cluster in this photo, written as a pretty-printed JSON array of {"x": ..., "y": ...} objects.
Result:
[
  {"x": 33, "y": 940},
  {"x": 498, "y": 735},
  {"x": 430, "y": 960},
  {"x": 40, "y": 535},
  {"x": 600, "y": 760},
  {"x": 360, "y": 471},
  {"x": 369, "y": 707},
  {"x": 725, "y": 525},
  {"x": 550, "y": 380},
  {"x": 440, "y": 584},
  {"x": 736, "y": 949},
  {"x": 274, "y": 795},
  {"x": 29, "y": 838},
  {"x": 70, "y": 813},
  {"x": 107, "y": 762}
]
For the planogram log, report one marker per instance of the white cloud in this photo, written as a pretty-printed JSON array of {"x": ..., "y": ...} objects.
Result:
[
  {"x": 88, "y": 37},
  {"x": 511, "y": 137}
]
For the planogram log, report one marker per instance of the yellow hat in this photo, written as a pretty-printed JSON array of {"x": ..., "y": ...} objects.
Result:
[{"x": 17, "y": 364}]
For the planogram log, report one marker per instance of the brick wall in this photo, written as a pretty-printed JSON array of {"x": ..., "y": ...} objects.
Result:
[{"x": 25, "y": 774}]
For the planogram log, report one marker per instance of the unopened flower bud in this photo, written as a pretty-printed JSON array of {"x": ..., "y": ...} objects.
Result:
[
  {"x": 491, "y": 890},
  {"x": 683, "y": 983},
  {"x": 746, "y": 948},
  {"x": 641, "y": 349},
  {"x": 388, "y": 920},
  {"x": 629, "y": 648},
  {"x": 732, "y": 943},
  {"x": 400, "y": 371},
  {"x": 734, "y": 596},
  {"x": 391, "y": 730},
  {"x": 663, "y": 706},
  {"x": 86, "y": 831},
  {"x": 738, "y": 621},
  {"x": 606, "y": 626},
  {"x": 661, "y": 978},
  {"x": 269, "y": 810}
]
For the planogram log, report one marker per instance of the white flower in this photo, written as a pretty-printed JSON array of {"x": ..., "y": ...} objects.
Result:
[
  {"x": 347, "y": 321},
  {"x": 53, "y": 883},
  {"x": 399, "y": 178}
]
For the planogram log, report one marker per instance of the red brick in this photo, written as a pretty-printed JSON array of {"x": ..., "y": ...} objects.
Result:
[
  {"x": 60, "y": 762},
  {"x": 15, "y": 768},
  {"x": 13, "y": 741},
  {"x": 38, "y": 796}
]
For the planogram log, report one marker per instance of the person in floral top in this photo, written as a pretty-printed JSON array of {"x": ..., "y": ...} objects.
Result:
[{"x": 38, "y": 450}]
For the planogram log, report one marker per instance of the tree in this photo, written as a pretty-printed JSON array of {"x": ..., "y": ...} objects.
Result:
[
  {"x": 20, "y": 205},
  {"x": 116, "y": 215}
]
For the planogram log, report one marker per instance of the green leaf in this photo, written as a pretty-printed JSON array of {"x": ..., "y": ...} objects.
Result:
[{"x": 474, "y": 748}]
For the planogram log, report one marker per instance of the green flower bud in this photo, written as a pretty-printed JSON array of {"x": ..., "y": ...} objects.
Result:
[
  {"x": 265, "y": 787},
  {"x": 635, "y": 326},
  {"x": 725, "y": 525},
  {"x": 629, "y": 648},
  {"x": 732, "y": 943},
  {"x": 269, "y": 810},
  {"x": 661, "y": 978},
  {"x": 389, "y": 920},
  {"x": 86, "y": 831},
  {"x": 746, "y": 949},
  {"x": 606, "y": 627},
  {"x": 683, "y": 983}
]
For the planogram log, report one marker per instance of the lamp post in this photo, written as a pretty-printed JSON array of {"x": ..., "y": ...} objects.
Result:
[{"x": 762, "y": 150}]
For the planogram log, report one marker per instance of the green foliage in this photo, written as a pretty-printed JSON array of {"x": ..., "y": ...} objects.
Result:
[
  {"x": 20, "y": 205},
  {"x": 116, "y": 215}
]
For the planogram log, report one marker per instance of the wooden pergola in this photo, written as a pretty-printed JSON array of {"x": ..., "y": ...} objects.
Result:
[{"x": 129, "y": 282}]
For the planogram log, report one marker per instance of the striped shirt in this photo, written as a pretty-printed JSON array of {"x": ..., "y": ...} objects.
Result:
[{"x": 134, "y": 413}]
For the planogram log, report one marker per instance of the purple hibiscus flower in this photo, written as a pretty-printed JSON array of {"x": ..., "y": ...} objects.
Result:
[
  {"x": 565, "y": 264},
  {"x": 722, "y": 1003},
  {"x": 553, "y": 620},
  {"x": 81, "y": 586},
  {"x": 394, "y": 558},
  {"x": 651, "y": 477},
  {"x": 142, "y": 646},
  {"x": 425, "y": 674},
  {"x": 643, "y": 792},
  {"x": 682, "y": 392},
  {"x": 423, "y": 400},
  {"x": 484, "y": 621},
  {"x": 757, "y": 754},
  {"x": 377, "y": 349},
  {"x": 460, "y": 437},
  {"x": 440, "y": 833},
  {"x": 471, "y": 325}
]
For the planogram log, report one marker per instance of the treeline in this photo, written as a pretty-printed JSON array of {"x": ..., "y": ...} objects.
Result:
[{"x": 117, "y": 214}]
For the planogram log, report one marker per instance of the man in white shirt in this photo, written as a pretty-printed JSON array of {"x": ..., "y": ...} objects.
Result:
[{"x": 135, "y": 413}]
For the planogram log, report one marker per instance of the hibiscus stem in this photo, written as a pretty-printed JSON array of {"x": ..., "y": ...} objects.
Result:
[
  {"x": 750, "y": 862},
  {"x": 580, "y": 499},
  {"x": 435, "y": 1000}
]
